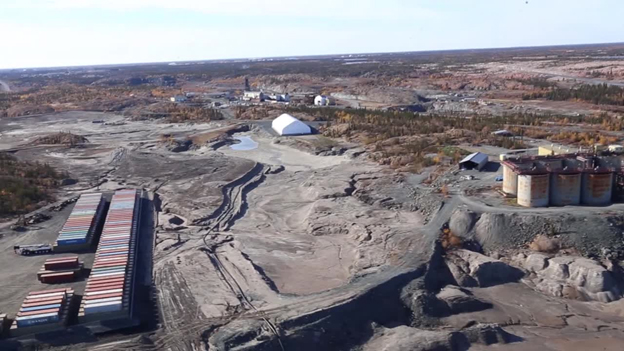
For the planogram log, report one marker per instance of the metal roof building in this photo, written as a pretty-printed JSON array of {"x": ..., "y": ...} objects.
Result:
[{"x": 476, "y": 160}]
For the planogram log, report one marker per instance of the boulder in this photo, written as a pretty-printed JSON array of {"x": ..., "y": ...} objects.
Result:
[
  {"x": 460, "y": 300},
  {"x": 557, "y": 268},
  {"x": 536, "y": 262},
  {"x": 462, "y": 222},
  {"x": 485, "y": 270},
  {"x": 462, "y": 278},
  {"x": 590, "y": 275}
]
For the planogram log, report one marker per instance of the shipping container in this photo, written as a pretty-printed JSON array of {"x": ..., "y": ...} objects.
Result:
[
  {"x": 101, "y": 292},
  {"x": 103, "y": 296},
  {"x": 41, "y": 303},
  {"x": 37, "y": 320},
  {"x": 65, "y": 264},
  {"x": 107, "y": 287},
  {"x": 109, "y": 274},
  {"x": 42, "y": 307},
  {"x": 57, "y": 278},
  {"x": 103, "y": 307},
  {"x": 34, "y": 313},
  {"x": 104, "y": 300}
]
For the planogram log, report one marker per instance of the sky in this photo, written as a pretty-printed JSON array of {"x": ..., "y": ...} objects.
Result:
[{"x": 49, "y": 33}]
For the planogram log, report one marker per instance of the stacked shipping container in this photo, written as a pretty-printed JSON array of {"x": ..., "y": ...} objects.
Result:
[
  {"x": 109, "y": 287},
  {"x": 3, "y": 318},
  {"x": 43, "y": 307},
  {"x": 60, "y": 270},
  {"x": 82, "y": 222}
]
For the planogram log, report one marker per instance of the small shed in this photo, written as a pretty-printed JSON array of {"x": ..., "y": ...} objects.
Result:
[{"x": 477, "y": 160}]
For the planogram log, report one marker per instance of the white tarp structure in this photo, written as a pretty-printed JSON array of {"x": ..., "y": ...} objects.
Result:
[
  {"x": 321, "y": 100},
  {"x": 289, "y": 125}
]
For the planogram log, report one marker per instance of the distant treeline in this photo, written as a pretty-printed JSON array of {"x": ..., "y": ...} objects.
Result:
[{"x": 599, "y": 94}]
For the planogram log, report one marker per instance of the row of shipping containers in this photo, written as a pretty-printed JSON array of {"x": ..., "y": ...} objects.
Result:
[
  {"x": 82, "y": 223},
  {"x": 110, "y": 284},
  {"x": 60, "y": 270},
  {"x": 47, "y": 307}
]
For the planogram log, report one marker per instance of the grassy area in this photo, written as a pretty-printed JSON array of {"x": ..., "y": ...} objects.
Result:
[{"x": 24, "y": 185}]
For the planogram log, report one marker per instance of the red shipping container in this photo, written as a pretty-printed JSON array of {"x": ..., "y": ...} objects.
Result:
[
  {"x": 46, "y": 291},
  {"x": 105, "y": 282},
  {"x": 109, "y": 283},
  {"x": 43, "y": 299},
  {"x": 103, "y": 296},
  {"x": 34, "y": 313},
  {"x": 112, "y": 258},
  {"x": 110, "y": 264},
  {"x": 61, "y": 265},
  {"x": 55, "y": 278},
  {"x": 118, "y": 285},
  {"x": 62, "y": 258},
  {"x": 28, "y": 304},
  {"x": 104, "y": 260}
]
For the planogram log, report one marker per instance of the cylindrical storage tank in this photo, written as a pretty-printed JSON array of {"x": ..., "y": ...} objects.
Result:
[
  {"x": 533, "y": 190},
  {"x": 565, "y": 189},
  {"x": 510, "y": 181},
  {"x": 597, "y": 189}
]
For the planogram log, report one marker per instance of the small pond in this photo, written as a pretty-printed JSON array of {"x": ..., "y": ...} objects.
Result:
[{"x": 246, "y": 143}]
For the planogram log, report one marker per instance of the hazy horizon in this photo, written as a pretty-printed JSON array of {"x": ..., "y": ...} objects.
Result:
[
  {"x": 304, "y": 56},
  {"x": 68, "y": 33}
]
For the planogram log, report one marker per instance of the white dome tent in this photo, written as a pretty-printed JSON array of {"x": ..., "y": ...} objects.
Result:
[{"x": 289, "y": 125}]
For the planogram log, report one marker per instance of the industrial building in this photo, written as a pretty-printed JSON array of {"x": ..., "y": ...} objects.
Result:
[
  {"x": 254, "y": 95},
  {"x": 109, "y": 292},
  {"x": 476, "y": 161},
  {"x": 555, "y": 150},
  {"x": 289, "y": 125},
  {"x": 80, "y": 228},
  {"x": 572, "y": 179},
  {"x": 178, "y": 98}
]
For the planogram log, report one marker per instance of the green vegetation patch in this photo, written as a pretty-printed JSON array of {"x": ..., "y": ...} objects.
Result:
[{"x": 24, "y": 185}]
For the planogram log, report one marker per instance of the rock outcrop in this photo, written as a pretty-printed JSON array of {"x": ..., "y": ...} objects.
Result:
[
  {"x": 572, "y": 277},
  {"x": 471, "y": 268}
]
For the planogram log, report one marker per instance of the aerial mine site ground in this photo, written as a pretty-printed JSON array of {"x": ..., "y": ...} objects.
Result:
[{"x": 395, "y": 224}]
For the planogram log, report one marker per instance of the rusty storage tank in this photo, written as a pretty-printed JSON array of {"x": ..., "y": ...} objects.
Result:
[
  {"x": 533, "y": 190},
  {"x": 510, "y": 180},
  {"x": 597, "y": 189},
  {"x": 565, "y": 189}
]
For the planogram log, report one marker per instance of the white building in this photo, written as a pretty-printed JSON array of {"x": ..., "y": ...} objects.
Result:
[
  {"x": 289, "y": 125},
  {"x": 618, "y": 149},
  {"x": 321, "y": 100},
  {"x": 178, "y": 98},
  {"x": 252, "y": 95}
]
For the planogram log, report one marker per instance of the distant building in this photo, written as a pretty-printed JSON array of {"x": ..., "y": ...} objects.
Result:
[
  {"x": 554, "y": 149},
  {"x": 289, "y": 125},
  {"x": 503, "y": 132},
  {"x": 477, "y": 161},
  {"x": 178, "y": 98},
  {"x": 253, "y": 95},
  {"x": 321, "y": 100}
]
